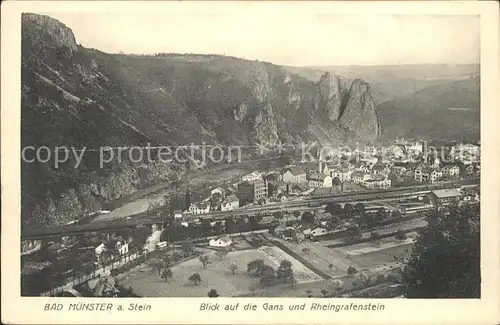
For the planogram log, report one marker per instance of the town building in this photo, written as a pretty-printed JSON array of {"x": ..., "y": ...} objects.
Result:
[
  {"x": 435, "y": 175},
  {"x": 252, "y": 177},
  {"x": 316, "y": 232},
  {"x": 316, "y": 179},
  {"x": 377, "y": 183},
  {"x": 422, "y": 174},
  {"x": 445, "y": 196},
  {"x": 294, "y": 175},
  {"x": 230, "y": 203},
  {"x": 252, "y": 191},
  {"x": 218, "y": 193},
  {"x": 199, "y": 208},
  {"x": 223, "y": 241},
  {"x": 343, "y": 174},
  {"x": 359, "y": 177},
  {"x": 361, "y": 167},
  {"x": 178, "y": 215},
  {"x": 399, "y": 170},
  {"x": 275, "y": 188},
  {"x": 380, "y": 168}
]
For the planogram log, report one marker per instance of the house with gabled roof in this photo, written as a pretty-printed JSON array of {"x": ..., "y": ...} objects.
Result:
[{"x": 294, "y": 175}]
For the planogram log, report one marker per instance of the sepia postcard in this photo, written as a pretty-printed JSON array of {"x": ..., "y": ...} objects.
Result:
[{"x": 250, "y": 162}]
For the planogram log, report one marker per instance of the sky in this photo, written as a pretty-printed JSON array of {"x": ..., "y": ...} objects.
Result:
[{"x": 292, "y": 38}]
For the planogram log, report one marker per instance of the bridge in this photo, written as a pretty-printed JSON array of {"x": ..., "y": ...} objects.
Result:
[{"x": 145, "y": 219}]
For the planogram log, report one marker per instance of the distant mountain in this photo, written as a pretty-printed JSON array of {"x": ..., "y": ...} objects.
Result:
[
  {"x": 446, "y": 111},
  {"x": 389, "y": 82},
  {"x": 78, "y": 97}
]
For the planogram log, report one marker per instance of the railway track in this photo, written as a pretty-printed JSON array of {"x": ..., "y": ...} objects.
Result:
[{"x": 144, "y": 219}]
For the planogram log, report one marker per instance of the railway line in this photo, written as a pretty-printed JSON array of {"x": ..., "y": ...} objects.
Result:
[{"x": 313, "y": 202}]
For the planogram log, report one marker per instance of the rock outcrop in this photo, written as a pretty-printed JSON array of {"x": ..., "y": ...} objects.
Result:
[{"x": 78, "y": 97}]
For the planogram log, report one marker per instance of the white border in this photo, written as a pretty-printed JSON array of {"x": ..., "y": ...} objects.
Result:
[{"x": 16, "y": 309}]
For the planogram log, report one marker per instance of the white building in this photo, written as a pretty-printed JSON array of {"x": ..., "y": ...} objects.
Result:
[
  {"x": 199, "y": 208},
  {"x": 343, "y": 174},
  {"x": 177, "y": 214},
  {"x": 252, "y": 177},
  {"x": 436, "y": 175},
  {"x": 122, "y": 248},
  {"x": 451, "y": 170},
  {"x": 316, "y": 180},
  {"x": 230, "y": 203},
  {"x": 224, "y": 241},
  {"x": 294, "y": 175},
  {"x": 359, "y": 177},
  {"x": 318, "y": 232}
]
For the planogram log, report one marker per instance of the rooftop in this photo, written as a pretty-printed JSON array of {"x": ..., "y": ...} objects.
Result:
[
  {"x": 446, "y": 193},
  {"x": 231, "y": 198},
  {"x": 295, "y": 170},
  {"x": 35, "y": 267}
]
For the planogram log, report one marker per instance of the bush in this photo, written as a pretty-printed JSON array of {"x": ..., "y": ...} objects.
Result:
[{"x": 351, "y": 270}]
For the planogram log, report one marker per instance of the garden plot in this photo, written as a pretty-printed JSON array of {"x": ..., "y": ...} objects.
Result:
[{"x": 217, "y": 275}]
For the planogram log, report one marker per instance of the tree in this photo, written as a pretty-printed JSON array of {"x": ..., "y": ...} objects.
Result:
[
  {"x": 351, "y": 270},
  {"x": 204, "y": 259},
  {"x": 296, "y": 214},
  {"x": 252, "y": 290},
  {"x": 308, "y": 217},
  {"x": 241, "y": 225},
  {"x": 324, "y": 292},
  {"x": 154, "y": 208},
  {"x": 213, "y": 293},
  {"x": 331, "y": 266},
  {"x": 333, "y": 222},
  {"x": 218, "y": 228},
  {"x": 309, "y": 293},
  {"x": 233, "y": 267},
  {"x": 284, "y": 271},
  {"x": 293, "y": 281},
  {"x": 187, "y": 249},
  {"x": 348, "y": 210},
  {"x": 193, "y": 231},
  {"x": 253, "y": 223},
  {"x": 306, "y": 250},
  {"x": 166, "y": 274},
  {"x": 277, "y": 215},
  {"x": 156, "y": 264},
  {"x": 221, "y": 253},
  {"x": 230, "y": 225},
  {"x": 334, "y": 208},
  {"x": 360, "y": 209},
  {"x": 380, "y": 215},
  {"x": 447, "y": 248},
  {"x": 205, "y": 228},
  {"x": 374, "y": 235},
  {"x": 364, "y": 278},
  {"x": 354, "y": 232},
  {"x": 255, "y": 266},
  {"x": 267, "y": 275},
  {"x": 195, "y": 278},
  {"x": 369, "y": 219}
]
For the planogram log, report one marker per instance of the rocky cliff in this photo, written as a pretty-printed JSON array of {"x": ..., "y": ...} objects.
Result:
[{"x": 78, "y": 97}]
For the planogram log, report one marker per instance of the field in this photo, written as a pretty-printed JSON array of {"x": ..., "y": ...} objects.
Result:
[
  {"x": 216, "y": 275},
  {"x": 382, "y": 257},
  {"x": 320, "y": 257}
]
